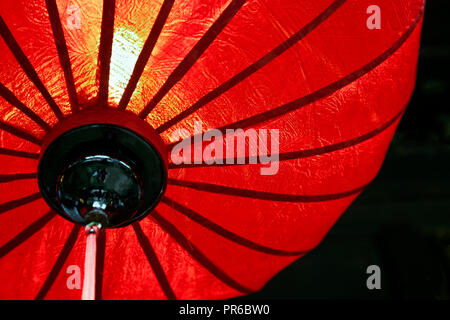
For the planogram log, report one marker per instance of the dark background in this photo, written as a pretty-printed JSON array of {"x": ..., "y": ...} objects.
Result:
[{"x": 402, "y": 221}]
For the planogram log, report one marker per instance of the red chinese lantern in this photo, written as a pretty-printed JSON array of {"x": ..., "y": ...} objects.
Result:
[{"x": 95, "y": 96}]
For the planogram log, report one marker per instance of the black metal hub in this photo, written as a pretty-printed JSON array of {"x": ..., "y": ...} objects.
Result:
[{"x": 101, "y": 173}]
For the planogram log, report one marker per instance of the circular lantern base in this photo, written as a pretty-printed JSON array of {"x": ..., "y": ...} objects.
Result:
[{"x": 104, "y": 166}]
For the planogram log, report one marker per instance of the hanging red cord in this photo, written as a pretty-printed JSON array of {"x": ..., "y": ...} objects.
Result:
[{"x": 92, "y": 232}]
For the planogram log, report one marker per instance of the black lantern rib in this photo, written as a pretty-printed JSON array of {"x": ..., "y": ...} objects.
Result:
[
  {"x": 26, "y": 234},
  {"x": 261, "y": 195},
  {"x": 299, "y": 154},
  {"x": 13, "y": 204},
  {"x": 19, "y": 154},
  {"x": 197, "y": 255},
  {"x": 105, "y": 50},
  {"x": 251, "y": 69},
  {"x": 323, "y": 92},
  {"x": 194, "y": 54},
  {"x": 146, "y": 52},
  {"x": 16, "y": 176},
  {"x": 20, "y": 133},
  {"x": 154, "y": 262},
  {"x": 68, "y": 246},
  {"x": 63, "y": 53},
  {"x": 208, "y": 224},
  {"x": 14, "y": 101}
]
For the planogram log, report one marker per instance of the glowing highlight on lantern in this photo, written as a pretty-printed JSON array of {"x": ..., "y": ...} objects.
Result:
[{"x": 125, "y": 50}]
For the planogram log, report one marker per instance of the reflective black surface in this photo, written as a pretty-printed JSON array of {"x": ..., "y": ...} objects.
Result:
[
  {"x": 102, "y": 167},
  {"x": 100, "y": 182}
]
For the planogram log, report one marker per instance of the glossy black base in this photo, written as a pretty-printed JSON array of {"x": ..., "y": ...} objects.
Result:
[{"x": 101, "y": 173}]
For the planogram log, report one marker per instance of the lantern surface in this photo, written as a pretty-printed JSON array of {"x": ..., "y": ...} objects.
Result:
[{"x": 327, "y": 79}]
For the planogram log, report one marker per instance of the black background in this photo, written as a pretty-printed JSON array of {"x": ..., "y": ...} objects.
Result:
[{"x": 402, "y": 221}]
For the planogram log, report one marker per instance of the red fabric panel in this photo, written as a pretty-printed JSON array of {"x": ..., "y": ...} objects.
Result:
[{"x": 31, "y": 28}]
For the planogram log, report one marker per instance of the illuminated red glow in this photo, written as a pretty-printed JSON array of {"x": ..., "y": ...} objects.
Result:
[{"x": 152, "y": 260}]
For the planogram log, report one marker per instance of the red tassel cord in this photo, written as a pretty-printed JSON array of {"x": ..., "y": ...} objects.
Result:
[{"x": 92, "y": 233}]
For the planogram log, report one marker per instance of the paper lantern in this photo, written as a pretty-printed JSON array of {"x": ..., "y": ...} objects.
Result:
[{"x": 95, "y": 96}]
